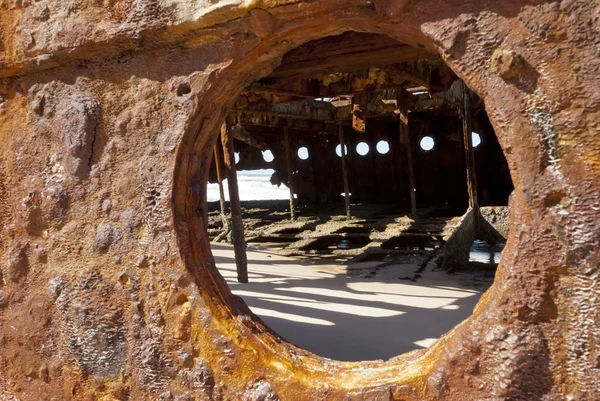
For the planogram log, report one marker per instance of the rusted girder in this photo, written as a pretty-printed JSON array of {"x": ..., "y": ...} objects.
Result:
[
  {"x": 240, "y": 133},
  {"x": 319, "y": 110},
  {"x": 250, "y": 118},
  {"x": 424, "y": 73},
  {"x": 374, "y": 106}
]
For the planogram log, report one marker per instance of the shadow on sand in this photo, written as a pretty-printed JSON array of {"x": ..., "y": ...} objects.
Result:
[{"x": 347, "y": 318}]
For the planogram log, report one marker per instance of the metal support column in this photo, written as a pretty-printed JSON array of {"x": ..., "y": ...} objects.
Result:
[
  {"x": 407, "y": 140},
  {"x": 220, "y": 180},
  {"x": 237, "y": 224},
  {"x": 468, "y": 144},
  {"x": 288, "y": 160},
  {"x": 344, "y": 169}
]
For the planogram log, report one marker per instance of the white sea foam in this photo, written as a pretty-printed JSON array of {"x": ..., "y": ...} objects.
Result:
[{"x": 253, "y": 185}]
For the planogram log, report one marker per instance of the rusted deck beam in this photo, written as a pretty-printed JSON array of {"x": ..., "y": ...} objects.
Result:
[
  {"x": 310, "y": 112},
  {"x": 369, "y": 79},
  {"x": 237, "y": 224},
  {"x": 240, "y": 133},
  {"x": 305, "y": 109},
  {"x": 277, "y": 122}
]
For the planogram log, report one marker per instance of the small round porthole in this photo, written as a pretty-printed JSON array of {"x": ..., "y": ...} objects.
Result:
[
  {"x": 427, "y": 143},
  {"x": 338, "y": 150},
  {"x": 268, "y": 156},
  {"x": 383, "y": 147},
  {"x": 303, "y": 153},
  {"x": 362, "y": 148},
  {"x": 476, "y": 138}
]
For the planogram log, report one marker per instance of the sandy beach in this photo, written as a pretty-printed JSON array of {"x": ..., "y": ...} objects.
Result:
[{"x": 344, "y": 313}]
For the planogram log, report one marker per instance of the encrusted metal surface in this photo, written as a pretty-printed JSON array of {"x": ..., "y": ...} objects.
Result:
[{"x": 109, "y": 290}]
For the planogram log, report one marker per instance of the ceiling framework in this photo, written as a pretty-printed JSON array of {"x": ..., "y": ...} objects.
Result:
[{"x": 341, "y": 77}]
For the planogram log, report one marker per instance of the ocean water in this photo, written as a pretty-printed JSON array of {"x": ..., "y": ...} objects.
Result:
[
  {"x": 483, "y": 252},
  {"x": 253, "y": 185}
]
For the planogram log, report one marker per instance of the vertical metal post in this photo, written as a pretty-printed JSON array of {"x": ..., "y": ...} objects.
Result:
[
  {"x": 468, "y": 144},
  {"x": 237, "y": 224},
  {"x": 220, "y": 180},
  {"x": 288, "y": 160},
  {"x": 350, "y": 165},
  {"x": 407, "y": 140},
  {"x": 344, "y": 170},
  {"x": 313, "y": 165}
]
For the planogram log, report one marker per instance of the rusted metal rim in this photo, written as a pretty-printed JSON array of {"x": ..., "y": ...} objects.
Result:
[{"x": 189, "y": 192}]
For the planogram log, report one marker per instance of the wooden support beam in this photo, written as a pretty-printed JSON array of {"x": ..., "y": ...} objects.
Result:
[
  {"x": 468, "y": 145},
  {"x": 344, "y": 170},
  {"x": 237, "y": 224},
  {"x": 407, "y": 140},
  {"x": 288, "y": 160}
]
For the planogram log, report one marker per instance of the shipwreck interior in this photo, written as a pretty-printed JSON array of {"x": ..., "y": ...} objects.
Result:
[
  {"x": 299, "y": 200},
  {"x": 418, "y": 194}
]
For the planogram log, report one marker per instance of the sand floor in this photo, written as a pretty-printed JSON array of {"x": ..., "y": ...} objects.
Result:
[{"x": 319, "y": 306}]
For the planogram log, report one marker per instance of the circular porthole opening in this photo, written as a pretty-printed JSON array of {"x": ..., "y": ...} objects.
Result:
[
  {"x": 476, "y": 138},
  {"x": 321, "y": 224},
  {"x": 362, "y": 148},
  {"x": 303, "y": 153},
  {"x": 268, "y": 156},
  {"x": 383, "y": 147},
  {"x": 427, "y": 143},
  {"x": 338, "y": 150}
]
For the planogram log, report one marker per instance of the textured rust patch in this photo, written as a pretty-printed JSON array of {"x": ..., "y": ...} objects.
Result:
[{"x": 110, "y": 121}]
